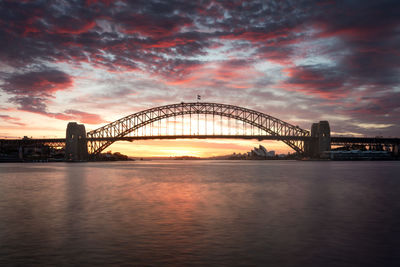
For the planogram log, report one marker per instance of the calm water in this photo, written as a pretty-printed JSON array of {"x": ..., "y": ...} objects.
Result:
[{"x": 226, "y": 213}]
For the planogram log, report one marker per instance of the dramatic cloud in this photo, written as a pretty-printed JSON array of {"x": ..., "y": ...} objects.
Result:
[
  {"x": 29, "y": 103},
  {"x": 37, "y": 83},
  {"x": 316, "y": 80},
  {"x": 302, "y": 59}
]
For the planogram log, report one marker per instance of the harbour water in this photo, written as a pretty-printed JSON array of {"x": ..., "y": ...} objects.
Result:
[{"x": 201, "y": 213}]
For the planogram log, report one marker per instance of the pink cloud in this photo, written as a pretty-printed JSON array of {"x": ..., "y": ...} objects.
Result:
[
  {"x": 232, "y": 73},
  {"x": 12, "y": 120},
  {"x": 84, "y": 117},
  {"x": 311, "y": 80},
  {"x": 67, "y": 29}
]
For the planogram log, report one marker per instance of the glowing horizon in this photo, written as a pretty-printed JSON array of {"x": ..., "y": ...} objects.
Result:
[
  {"x": 96, "y": 61},
  {"x": 193, "y": 147}
]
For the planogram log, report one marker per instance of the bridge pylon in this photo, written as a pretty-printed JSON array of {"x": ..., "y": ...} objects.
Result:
[
  {"x": 321, "y": 139},
  {"x": 75, "y": 143}
]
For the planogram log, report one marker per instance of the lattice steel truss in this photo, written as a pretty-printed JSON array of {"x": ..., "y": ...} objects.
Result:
[{"x": 124, "y": 126}]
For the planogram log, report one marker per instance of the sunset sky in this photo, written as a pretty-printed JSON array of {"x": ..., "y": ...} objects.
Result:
[{"x": 94, "y": 62}]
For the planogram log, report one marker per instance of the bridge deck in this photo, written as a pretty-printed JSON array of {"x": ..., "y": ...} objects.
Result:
[
  {"x": 334, "y": 139},
  {"x": 363, "y": 140}
]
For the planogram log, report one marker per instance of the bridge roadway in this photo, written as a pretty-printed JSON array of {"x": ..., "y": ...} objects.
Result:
[{"x": 335, "y": 140}]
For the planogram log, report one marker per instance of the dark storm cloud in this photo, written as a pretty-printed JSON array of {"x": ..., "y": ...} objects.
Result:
[
  {"x": 369, "y": 30},
  {"x": 75, "y": 30},
  {"x": 30, "y": 103},
  {"x": 151, "y": 25},
  {"x": 385, "y": 104},
  {"x": 326, "y": 82},
  {"x": 37, "y": 83}
]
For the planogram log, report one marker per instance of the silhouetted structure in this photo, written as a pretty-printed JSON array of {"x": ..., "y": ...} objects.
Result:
[
  {"x": 252, "y": 120},
  {"x": 75, "y": 143},
  {"x": 261, "y": 153},
  {"x": 247, "y": 124},
  {"x": 321, "y": 139}
]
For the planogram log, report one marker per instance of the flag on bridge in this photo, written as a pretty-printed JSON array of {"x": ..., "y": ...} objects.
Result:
[{"x": 198, "y": 97}]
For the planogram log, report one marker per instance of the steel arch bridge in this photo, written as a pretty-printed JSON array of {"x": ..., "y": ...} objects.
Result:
[{"x": 129, "y": 127}]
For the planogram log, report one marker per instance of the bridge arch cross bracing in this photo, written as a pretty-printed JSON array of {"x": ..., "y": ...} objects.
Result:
[{"x": 124, "y": 126}]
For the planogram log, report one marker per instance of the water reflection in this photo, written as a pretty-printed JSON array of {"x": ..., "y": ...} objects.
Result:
[{"x": 200, "y": 213}]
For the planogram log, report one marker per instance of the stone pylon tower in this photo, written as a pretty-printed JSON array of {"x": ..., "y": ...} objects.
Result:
[
  {"x": 76, "y": 144},
  {"x": 321, "y": 142}
]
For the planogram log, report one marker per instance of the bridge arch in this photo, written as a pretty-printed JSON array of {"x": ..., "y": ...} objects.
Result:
[{"x": 126, "y": 125}]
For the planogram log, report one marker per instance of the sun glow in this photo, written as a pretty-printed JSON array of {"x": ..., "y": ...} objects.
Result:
[{"x": 194, "y": 147}]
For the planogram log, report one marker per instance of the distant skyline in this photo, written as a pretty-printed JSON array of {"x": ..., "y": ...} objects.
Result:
[{"x": 300, "y": 61}]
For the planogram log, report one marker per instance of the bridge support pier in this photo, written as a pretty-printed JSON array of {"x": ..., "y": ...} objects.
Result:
[
  {"x": 321, "y": 139},
  {"x": 75, "y": 143}
]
